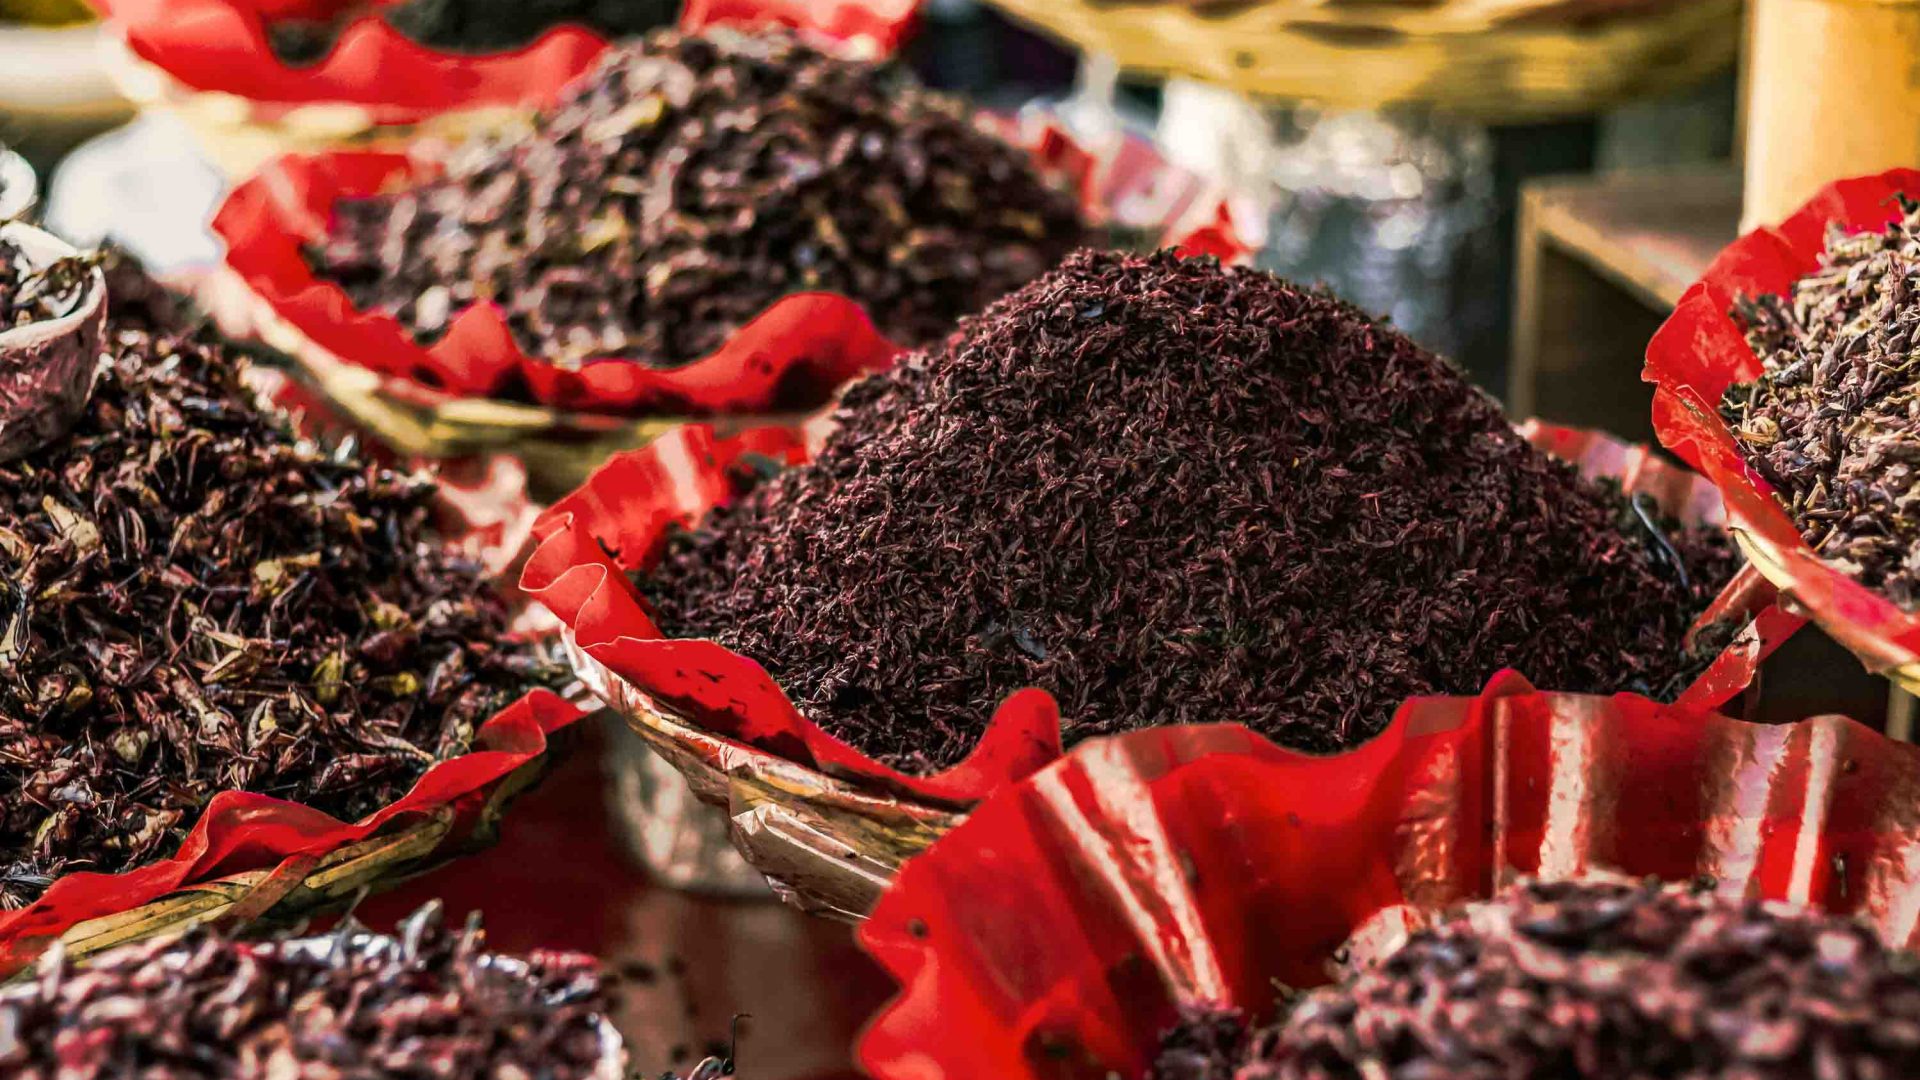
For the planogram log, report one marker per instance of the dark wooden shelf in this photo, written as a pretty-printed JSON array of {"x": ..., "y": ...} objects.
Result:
[{"x": 1601, "y": 262}]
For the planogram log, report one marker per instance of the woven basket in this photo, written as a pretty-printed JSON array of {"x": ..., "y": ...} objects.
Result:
[
  {"x": 331, "y": 883},
  {"x": 1495, "y": 60}
]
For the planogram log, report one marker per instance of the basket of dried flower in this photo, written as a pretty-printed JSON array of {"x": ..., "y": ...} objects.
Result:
[
  {"x": 256, "y": 79},
  {"x": 1504, "y": 61},
  {"x": 1130, "y": 911},
  {"x": 1783, "y": 378},
  {"x": 250, "y": 675},
  {"x": 522, "y": 317},
  {"x": 850, "y": 643}
]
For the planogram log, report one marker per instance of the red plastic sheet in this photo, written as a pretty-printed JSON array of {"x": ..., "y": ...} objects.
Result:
[
  {"x": 619, "y": 520},
  {"x": 1055, "y": 931},
  {"x": 240, "y": 832},
  {"x": 1699, "y": 352},
  {"x": 800, "y": 348},
  {"x": 221, "y": 46}
]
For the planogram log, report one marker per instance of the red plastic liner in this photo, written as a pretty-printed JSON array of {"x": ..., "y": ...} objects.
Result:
[
  {"x": 1055, "y": 932},
  {"x": 221, "y": 46},
  {"x": 619, "y": 521},
  {"x": 803, "y": 346},
  {"x": 1699, "y": 352},
  {"x": 239, "y": 832}
]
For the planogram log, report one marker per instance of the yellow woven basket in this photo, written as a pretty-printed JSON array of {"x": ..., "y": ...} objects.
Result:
[{"x": 1495, "y": 60}]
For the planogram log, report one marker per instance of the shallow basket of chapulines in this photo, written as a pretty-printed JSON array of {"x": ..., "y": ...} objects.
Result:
[
  {"x": 1499, "y": 62},
  {"x": 211, "y": 63},
  {"x": 1063, "y": 927},
  {"x": 441, "y": 400},
  {"x": 251, "y": 857},
  {"x": 1700, "y": 352},
  {"x": 827, "y": 824}
]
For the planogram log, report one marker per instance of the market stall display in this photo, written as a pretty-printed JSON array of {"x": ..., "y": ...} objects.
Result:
[
  {"x": 864, "y": 637},
  {"x": 226, "y": 641},
  {"x": 1066, "y": 926},
  {"x": 1788, "y": 325}
]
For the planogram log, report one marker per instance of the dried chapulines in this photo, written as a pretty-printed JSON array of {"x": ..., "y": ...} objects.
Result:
[
  {"x": 1596, "y": 980},
  {"x": 1832, "y": 424},
  {"x": 470, "y": 26},
  {"x": 349, "y": 1006},
  {"x": 30, "y": 294},
  {"x": 193, "y": 599},
  {"x": 692, "y": 181},
  {"x": 1169, "y": 492}
]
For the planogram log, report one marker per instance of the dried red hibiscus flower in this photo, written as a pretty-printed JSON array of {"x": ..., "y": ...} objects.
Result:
[
  {"x": 1597, "y": 980},
  {"x": 349, "y": 1006},
  {"x": 689, "y": 183},
  {"x": 1170, "y": 492},
  {"x": 193, "y": 599},
  {"x": 1831, "y": 424}
]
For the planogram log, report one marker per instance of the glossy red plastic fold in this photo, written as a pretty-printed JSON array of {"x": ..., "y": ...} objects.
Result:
[
  {"x": 1700, "y": 351},
  {"x": 221, "y": 46},
  {"x": 791, "y": 356},
  {"x": 616, "y": 524},
  {"x": 239, "y": 832},
  {"x": 1056, "y": 931}
]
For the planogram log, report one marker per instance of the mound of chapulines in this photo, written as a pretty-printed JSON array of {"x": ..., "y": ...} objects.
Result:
[
  {"x": 1170, "y": 492},
  {"x": 194, "y": 599},
  {"x": 1593, "y": 980},
  {"x": 689, "y": 183}
]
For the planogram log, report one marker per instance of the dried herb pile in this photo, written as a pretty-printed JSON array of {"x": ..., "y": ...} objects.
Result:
[
  {"x": 471, "y": 26},
  {"x": 1169, "y": 492},
  {"x": 192, "y": 600},
  {"x": 1834, "y": 423},
  {"x": 1595, "y": 981},
  {"x": 30, "y": 295},
  {"x": 690, "y": 183},
  {"x": 429, "y": 1003}
]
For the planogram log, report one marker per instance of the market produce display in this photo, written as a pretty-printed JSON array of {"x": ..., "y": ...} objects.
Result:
[
  {"x": 1591, "y": 979},
  {"x": 1176, "y": 671},
  {"x": 350, "y": 1005},
  {"x": 1172, "y": 492},
  {"x": 198, "y": 600},
  {"x": 689, "y": 183}
]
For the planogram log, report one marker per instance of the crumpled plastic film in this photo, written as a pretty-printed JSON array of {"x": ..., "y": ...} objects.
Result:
[{"x": 1056, "y": 932}]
